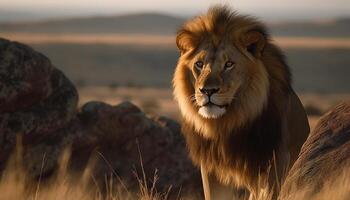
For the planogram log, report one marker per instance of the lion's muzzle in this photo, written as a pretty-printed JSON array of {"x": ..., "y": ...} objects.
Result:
[{"x": 209, "y": 103}]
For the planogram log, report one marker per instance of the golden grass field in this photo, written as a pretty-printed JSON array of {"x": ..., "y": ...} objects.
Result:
[{"x": 16, "y": 184}]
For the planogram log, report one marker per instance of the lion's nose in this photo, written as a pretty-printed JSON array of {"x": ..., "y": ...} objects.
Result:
[{"x": 208, "y": 91}]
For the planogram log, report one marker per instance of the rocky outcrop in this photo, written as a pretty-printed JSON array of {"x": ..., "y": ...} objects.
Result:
[
  {"x": 123, "y": 139},
  {"x": 39, "y": 103},
  {"x": 36, "y": 100},
  {"x": 324, "y": 159}
]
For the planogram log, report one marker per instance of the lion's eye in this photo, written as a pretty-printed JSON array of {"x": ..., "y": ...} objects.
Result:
[
  {"x": 199, "y": 65},
  {"x": 229, "y": 65}
]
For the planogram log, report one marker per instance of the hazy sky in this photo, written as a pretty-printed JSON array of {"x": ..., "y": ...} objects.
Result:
[{"x": 290, "y": 9}]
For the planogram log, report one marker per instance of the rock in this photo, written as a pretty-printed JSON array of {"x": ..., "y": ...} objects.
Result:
[
  {"x": 36, "y": 100},
  {"x": 39, "y": 103},
  {"x": 24, "y": 76},
  {"x": 323, "y": 158},
  {"x": 122, "y": 137}
]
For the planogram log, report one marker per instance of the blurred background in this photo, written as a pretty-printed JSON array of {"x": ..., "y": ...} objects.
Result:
[{"x": 125, "y": 50}]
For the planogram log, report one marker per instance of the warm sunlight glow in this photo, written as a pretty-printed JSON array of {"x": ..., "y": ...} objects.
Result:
[{"x": 266, "y": 8}]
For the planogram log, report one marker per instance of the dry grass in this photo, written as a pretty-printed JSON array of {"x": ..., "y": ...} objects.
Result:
[
  {"x": 17, "y": 184},
  {"x": 335, "y": 188}
]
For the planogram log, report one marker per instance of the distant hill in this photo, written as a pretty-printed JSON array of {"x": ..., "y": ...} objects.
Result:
[
  {"x": 155, "y": 23},
  {"x": 146, "y": 23},
  {"x": 333, "y": 28}
]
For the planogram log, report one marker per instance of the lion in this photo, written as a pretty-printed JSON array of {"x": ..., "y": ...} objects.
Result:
[{"x": 241, "y": 117}]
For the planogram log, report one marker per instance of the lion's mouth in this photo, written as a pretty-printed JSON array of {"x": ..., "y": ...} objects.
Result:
[
  {"x": 209, "y": 104},
  {"x": 211, "y": 110}
]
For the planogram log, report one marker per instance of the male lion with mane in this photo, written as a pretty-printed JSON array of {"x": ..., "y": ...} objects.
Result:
[{"x": 242, "y": 121}]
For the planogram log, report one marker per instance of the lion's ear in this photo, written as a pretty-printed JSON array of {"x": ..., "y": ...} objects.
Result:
[
  {"x": 254, "y": 42},
  {"x": 185, "y": 41}
]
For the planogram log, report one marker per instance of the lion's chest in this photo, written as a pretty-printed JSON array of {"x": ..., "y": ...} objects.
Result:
[
  {"x": 228, "y": 164},
  {"x": 239, "y": 160}
]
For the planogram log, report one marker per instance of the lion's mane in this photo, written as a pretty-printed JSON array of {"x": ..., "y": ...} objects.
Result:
[{"x": 239, "y": 146}]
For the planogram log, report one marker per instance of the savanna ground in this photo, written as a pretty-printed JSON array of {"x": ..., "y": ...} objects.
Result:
[{"x": 136, "y": 68}]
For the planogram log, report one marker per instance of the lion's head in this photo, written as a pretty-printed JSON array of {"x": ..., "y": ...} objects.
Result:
[{"x": 222, "y": 79}]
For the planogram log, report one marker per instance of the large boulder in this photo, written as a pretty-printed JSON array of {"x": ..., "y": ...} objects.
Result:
[
  {"x": 38, "y": 103},
  {"x": 36, "y": 100},
  {"x": 124, "y": 141},
  {"x": 324, "y": 160}
]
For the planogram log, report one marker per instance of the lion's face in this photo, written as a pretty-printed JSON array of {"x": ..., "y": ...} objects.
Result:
[
  {"x": 221, "y": 81},
  {"x": 218, "y": 73},
  {"x": 219, "y": 86}
]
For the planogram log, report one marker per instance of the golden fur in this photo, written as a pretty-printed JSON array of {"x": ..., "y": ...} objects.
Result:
[{"x": 260, "y": 112}]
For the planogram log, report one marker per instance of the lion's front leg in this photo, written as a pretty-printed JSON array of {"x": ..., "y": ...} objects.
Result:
[
  {"x": 214, "y": 190},
  {"x": 205, "y": 183}
]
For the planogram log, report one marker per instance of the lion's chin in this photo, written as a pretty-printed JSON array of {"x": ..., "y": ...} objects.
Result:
[{"x": 211, "y": 111}]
